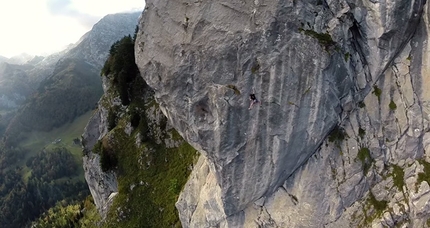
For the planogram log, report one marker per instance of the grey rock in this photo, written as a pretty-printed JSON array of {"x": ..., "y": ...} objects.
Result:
[
  {"x": 310, "y": 65},
  {"x": 101, "y": 184}
]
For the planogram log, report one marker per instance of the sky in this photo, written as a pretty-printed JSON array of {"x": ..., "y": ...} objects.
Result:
[{"x": 40, "y": 27}]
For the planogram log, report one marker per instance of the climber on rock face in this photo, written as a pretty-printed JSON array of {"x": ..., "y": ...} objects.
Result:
[{"x": 253, "y": 100}]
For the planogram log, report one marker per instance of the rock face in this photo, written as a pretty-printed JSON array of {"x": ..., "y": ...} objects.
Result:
[
  {"x": 93, "y": 47},
  {"x": 342, "y": 80},
  {"x": 101, "y": 184}
]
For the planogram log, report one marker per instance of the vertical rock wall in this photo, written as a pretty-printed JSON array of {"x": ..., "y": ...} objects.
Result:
[
  {"x": 102, "y": 185},
  {"x": 310, "y": 63}
]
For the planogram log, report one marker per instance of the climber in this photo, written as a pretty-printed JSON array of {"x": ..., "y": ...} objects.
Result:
[{"x": 253, "y": 100}]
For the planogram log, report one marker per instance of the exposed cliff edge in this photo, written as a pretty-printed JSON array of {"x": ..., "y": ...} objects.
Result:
[
  {"x": 135, "y": 162},
  {"x": 342, "y": 80},
  {"x": 101, "y": 184}
]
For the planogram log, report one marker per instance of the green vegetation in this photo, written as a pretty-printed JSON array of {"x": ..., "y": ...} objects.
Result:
[
  {"x": 337, "y": 135},
  {"x": 63, "y": 215},
  {"x": 255, "y": 67},
  {"x": 361, "y": 104},
  {"x": 392, "y": 105},
  {"x": 150, "y": 175},
  {"x": 121, "y": 66},
  {"x": 40, "y": 171},
  {"x": 361, "y": 133},
  {"x": 68, "y": 133},
  {"x": 347, "y": 56},
  {"x": 377, "y": 91},
  {"x": 371, "y": 210},
  {"x": 111, "y": 119},
  {"x": 324, "y": 39},
  {"x": 54, "y": 176},
  {"x": 234, "y": 88},
  {"x": 366, "y": 160},
  {"x": 378, "y": 206},
  {"x": 424, "y": 176},
  {"x": 108, "y": 157},
  {"x": 71, "y": 91},
  {"x": 409, "y": 58},
  {"x": 163, "y": 171},
  {"x": 398, "y": 177},
  {"x": 40, "y": 157}
]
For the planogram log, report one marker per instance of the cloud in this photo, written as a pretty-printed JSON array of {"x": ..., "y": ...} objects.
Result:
[
  {"x": 66, "y": 8},
  {"x": 57, "y": 7},
  {"x": 45, "y": 26}
]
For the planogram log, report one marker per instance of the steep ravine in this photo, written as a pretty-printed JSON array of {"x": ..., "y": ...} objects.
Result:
[{"x": 340, "y": 137}]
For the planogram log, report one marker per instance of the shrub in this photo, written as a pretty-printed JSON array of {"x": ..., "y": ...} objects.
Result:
[
  {"x": 377, "y": 91},
  {"x": 392, "y": 105},
  {"x": 108, "y": 159}
]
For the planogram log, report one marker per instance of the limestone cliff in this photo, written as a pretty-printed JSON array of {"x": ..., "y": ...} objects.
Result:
[
  {"x": 340, "y": 135},
  {"x": 135, "y": 162},
  {"x": 101, "y": 184}
]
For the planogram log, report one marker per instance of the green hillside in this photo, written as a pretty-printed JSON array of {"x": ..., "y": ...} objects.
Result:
[
  {"x": 72, "y": 90},
  {"x": 40, "y": 154}
]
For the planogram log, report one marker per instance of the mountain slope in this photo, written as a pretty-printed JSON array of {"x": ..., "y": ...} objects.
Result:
[
  {"x": 74, "y": 86},
  {"x": 37, "y": 174},
  {"x": 94, "y": 45},
  {"x": 72, "y": 90},
  {"x": 15, "y": 85}
]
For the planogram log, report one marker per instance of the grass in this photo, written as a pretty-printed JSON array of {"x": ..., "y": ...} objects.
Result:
[
  {"x": 150, "y": 177},
  {"x": 163, "y": 172},
  {"x": 323, "y": 38},
  {"x": 366, "y": 160},
  {"x": 378, "y": 206},
  {"x": 398, "y": 177},
  {"x": 347, "y": 56},
  {"x": 39, "y": 140},
  {"x": 425, "y": 175}
]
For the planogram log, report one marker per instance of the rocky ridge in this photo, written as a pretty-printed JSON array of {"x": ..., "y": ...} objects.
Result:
[{"x": 340, "y": 136}]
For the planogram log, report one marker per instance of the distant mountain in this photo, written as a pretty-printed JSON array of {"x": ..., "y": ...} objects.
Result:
[
  {"x": 73, "y": 89},
  {"x": 94, "y": 45},
  {"x": 3, "y": 59},
  {"x": 20, "y": 59},
  {"x": 15, "y": 85},
  {"x": 35, "y": 60},
  {"x": 68, "y": 82},
  {"x": 58, "y": 89}
]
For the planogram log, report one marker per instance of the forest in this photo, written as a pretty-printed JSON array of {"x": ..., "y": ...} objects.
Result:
[{"x": 29, "y": 190}]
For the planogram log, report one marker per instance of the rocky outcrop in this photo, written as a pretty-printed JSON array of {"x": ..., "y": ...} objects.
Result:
[
  {"x": 101, "y": 184},
  {"x": 341, "y": 88}
]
